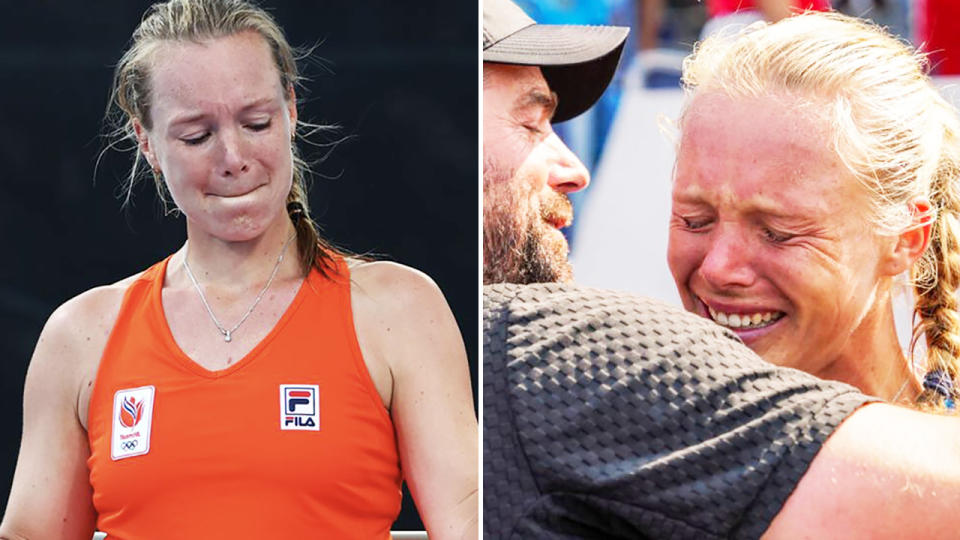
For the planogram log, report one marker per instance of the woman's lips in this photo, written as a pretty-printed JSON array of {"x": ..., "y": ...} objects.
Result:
[
  {"x": 236, "y": 194},
  {"x": 742, "y": 318},
  {"x": 756, "y": 319}
]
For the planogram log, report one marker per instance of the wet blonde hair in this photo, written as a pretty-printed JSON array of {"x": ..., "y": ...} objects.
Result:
[
  {"x": 198, "y": 21},
  {"x": 891, "y": 129}
]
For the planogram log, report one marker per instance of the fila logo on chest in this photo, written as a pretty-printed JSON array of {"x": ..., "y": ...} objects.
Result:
[
  {"x": 132, "y": 422},
  {"x": 300, "y": 407}
]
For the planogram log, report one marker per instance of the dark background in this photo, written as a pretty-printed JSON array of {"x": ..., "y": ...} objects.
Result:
[{"x": 399, "y": 77}]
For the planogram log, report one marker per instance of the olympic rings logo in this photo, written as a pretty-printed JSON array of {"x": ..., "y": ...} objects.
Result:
[{"x": 129, "y": 445}]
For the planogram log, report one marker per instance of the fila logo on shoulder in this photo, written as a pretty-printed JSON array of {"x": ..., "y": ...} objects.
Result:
[
  {"x": 300, "y": 407},
  {"x": 132, "y": 422}
]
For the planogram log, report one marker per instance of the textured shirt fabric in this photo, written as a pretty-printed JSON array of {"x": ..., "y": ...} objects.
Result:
[
  {"x": 606, "y": 415},
  {"x": 291, "y": 441}
]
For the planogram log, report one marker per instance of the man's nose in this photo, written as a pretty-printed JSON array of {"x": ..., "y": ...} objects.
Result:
[
  {"x": 728, "y": 261},
  {"x": 567, "y": 172}
]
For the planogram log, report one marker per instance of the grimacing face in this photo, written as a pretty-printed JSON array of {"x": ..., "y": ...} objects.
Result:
[
  {"x": 220, "y": 133},
  {"x": 527, "y": 173},
  {"x": 770, "y": 234}
]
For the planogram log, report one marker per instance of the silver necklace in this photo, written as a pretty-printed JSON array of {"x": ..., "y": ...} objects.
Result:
[
  {"x": 228, "y": 334},
  {"x": 900, "y": 391}
]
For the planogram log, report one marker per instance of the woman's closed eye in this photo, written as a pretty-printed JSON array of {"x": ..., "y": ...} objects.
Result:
[
  {"x": 194, "y": 140},
  {"x": 259, "y": 126},
  {"x": 693, "y": 223},
  {"x": 775, "y": 237}
]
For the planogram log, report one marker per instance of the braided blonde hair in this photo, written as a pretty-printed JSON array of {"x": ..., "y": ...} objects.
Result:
[
  {"x": 892, "y": 129},
  {"x": 200, "y": 20}
]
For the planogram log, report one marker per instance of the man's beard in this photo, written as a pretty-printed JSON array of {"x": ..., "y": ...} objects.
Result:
[{"x": 521, "y": 247}]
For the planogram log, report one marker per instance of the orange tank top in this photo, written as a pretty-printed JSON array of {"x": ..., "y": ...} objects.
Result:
[{"x": 292, "y": 441}]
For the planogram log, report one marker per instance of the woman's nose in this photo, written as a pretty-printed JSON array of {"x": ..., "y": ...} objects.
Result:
[
  {"x": 233, "y": 160},
  {"x": 728, "y": 260}
]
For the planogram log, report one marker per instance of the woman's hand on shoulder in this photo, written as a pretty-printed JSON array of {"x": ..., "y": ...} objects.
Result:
[
  {"x": 410, "y": 327},
  {"x": 51, "y": 495}
]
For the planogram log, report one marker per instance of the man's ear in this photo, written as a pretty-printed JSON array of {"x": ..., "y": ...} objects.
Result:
[
  {"x": 912, "y": 241},
  {"x": 143, "y": 142}
]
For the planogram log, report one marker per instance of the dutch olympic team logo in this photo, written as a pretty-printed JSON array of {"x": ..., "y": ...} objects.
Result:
[
  {"x": 132, "y": 422},
  {"x": 131, "y": 411}
]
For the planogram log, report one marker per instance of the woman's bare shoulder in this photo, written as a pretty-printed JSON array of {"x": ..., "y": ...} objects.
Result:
[
  {"x": 401, "y": 308},
  {"x": 82, "y": 324},
  {"x": 91, "y": 309},
  {"x": 394, "y": 283}
]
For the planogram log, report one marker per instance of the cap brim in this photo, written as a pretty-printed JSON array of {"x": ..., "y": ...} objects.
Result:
[{"x": 577, "y": 61}]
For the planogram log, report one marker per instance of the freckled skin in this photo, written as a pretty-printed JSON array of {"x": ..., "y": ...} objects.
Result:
[
  {"x": 766, "y": 218},
  {"x": 231, "y": 183}
]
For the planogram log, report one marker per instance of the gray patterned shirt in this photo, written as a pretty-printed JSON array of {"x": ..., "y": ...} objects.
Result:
[{"x": 606, "y": 415}]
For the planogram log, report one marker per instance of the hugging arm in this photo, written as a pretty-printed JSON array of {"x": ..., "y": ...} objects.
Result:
[{"x": 886, "y": 472}]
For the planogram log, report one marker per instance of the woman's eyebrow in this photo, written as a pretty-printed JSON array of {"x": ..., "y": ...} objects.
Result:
[
  {"x": 257, "y": 103},
  {"x": 187, "y": 118},
  {"x": 193, "y": 116}
]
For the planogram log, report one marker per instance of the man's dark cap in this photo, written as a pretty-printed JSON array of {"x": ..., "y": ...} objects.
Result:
[{"x": 577, "y": 61}]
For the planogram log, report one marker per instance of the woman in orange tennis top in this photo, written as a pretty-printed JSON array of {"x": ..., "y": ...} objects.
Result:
[{"x": 257, "y": 383}]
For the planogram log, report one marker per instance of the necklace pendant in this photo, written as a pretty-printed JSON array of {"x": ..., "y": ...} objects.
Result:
[{"x": 227, "y": 337}]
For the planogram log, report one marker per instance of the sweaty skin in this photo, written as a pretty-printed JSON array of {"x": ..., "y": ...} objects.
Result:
[{"x": 770, "y": 235}]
